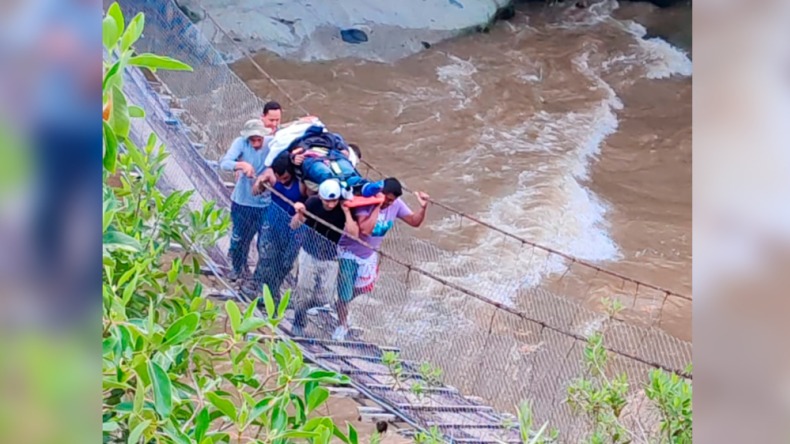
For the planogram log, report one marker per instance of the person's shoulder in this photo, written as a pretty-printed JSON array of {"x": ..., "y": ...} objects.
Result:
[
  {"x": 237, "y": 144},
  {"x": 238, "y": 141},
  {"x": 400, "y": 208},
  {"x": 400, "y": 203}
]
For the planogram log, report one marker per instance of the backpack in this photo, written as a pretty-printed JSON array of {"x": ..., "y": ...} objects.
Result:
[{"x": 316, "y": 137}]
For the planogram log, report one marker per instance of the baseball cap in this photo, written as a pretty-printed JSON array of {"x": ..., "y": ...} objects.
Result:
[{"x": 329, "y": 189}]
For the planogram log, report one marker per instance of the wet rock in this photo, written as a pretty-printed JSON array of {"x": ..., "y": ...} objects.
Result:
[
  {"x": 505, "y": 13},
  {"x": 308, "y": 29}
]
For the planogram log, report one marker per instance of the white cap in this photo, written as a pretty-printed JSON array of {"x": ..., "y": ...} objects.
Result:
[
  {"x": 254, "y": 127},
  {"x": 329, "y": 189}
]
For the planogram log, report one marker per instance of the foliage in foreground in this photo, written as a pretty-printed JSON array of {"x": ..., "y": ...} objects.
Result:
[
  {"x": 171, "y": 373},
  {"x": 602, "y": 398}
]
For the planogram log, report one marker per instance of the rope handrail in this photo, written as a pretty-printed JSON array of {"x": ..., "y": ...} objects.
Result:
[
  {"x": 473, "y": 294},
  {"x": 543, "y": 247},
  {"x": 449, "y": 208}
]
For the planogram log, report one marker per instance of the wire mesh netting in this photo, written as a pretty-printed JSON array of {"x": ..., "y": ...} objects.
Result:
[{"x": 507, "y": 331}]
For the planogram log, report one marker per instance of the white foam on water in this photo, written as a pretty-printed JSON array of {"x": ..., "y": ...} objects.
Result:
[
  {"x": 593, "y": 15},
  {"x": 660, "y": 59},
  {"x": 551, "y": 205},
  {"x": 458, "y": 75}
]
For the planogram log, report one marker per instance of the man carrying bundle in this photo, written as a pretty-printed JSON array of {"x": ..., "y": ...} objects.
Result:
[{"x": 318, "y": 266}]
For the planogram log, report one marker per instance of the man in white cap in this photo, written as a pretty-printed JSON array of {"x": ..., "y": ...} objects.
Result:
[
  {"x": 247, "y": 212},
  {"x": 318, "y": 267}
]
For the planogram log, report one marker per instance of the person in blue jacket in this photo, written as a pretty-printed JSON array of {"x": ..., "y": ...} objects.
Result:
[
  {"x": 279, "y": 244},
  {"x": 246, "y": 156}
]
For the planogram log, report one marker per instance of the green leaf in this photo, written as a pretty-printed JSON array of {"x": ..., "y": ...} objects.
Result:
[
  {"x": 216, "y": 438},
  {"x": 173, "y": 432},
  {"x": 126, "y": 276},
  {"x": 154, "y": 62},
  {"x": 201, "y": 424},
  {"x": 133, "y": 32},
  {"x": 163, "y": 397},
  {"x": 250, "y": 311},
  {"x": 109, "y": 426},
  {"x": 243, "y": 353},
  {"x": 261, "y": 407},
  {"x": 111, "y": 77},
  {"x": 128, "y": 292},
  {"x": 309, "y": 387},
  {"x": 340, "y": 435},
  {"x": 283, "y": 304},
  {"x": 136, "y": 112},
  {"x": 296, "y": 434},
  {"x": 300, "y": 415},
  {"x": 139, "y": 397},
  {"x": 318, "y": 396},
  {"x": 182, "y": 329},
  {"x": 258, "y": 352},
  {"x": 115, "y": 12},
  {"x": 108, "y": 384},
  {"x": 268, "y": 301},
  {"x": 323, "y": 375},
  {"x": 109, "y": 32},
  {"x": 279, "y": 356},
  {"x": 251, "y": 324},
  {"x": 325, "y": 433},
  {"x": 119, "y": 115},
  {"x": 223, "y": 405},
  {"x": 134, "y": 436},
  {"x": 315, "y": 423},
  {"x": 353, "y": 438},
  {"x": 279, "y": 418},
  {"x": 120, "y": 241},
  {"x": 234, "y": 314},
  {"x": 149, "y": 145},
  {"x": 110, "y": 143}
]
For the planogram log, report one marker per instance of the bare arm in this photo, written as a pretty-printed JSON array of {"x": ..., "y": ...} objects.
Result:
[
  {"x": 266, "y": 177},
  {"x": 368, "y": 223},
  {"x": 416, "y": 219},
  {"x": 299, "y": 216},
  {"x": 351, "y": 225}
]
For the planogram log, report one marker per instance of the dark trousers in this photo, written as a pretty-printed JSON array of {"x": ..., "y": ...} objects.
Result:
[
  {"x": 247, "y": 223},
  {"x": 277, "y": 248}
]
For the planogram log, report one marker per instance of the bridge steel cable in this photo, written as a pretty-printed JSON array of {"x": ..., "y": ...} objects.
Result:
[{"x": 574, "y": 260}]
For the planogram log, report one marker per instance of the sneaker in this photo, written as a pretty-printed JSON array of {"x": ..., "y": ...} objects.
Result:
[
  {"x": 340, "y": 333},
  {"x": 346, "y": 194},
  {"x": 370, "y": 189},
  {"x": 316, "y": 310}
]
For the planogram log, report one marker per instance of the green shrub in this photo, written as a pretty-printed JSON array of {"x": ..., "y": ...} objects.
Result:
[{"x": 177, "y": 368}]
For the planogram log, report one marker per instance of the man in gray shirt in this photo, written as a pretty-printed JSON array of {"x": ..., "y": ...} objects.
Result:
[{"x": 248, "y": 211}]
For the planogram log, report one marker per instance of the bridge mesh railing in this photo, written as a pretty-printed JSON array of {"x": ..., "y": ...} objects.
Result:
[{"x": 498, "y": 329}]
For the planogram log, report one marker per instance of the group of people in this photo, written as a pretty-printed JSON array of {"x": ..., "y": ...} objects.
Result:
[{"x": 298, "y": 190}]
